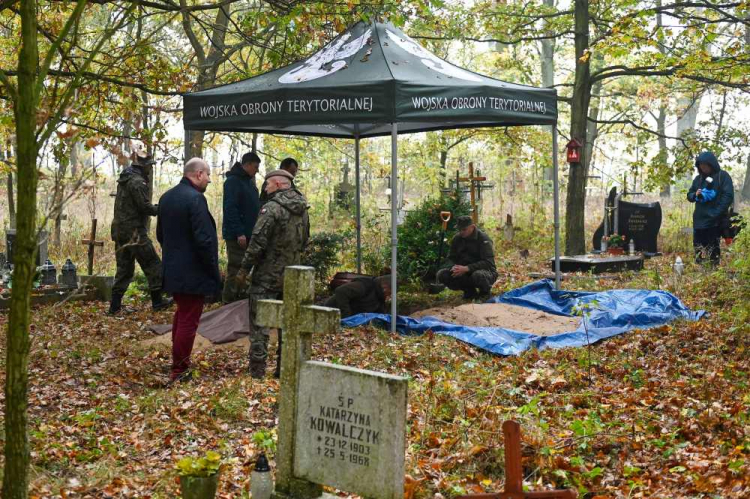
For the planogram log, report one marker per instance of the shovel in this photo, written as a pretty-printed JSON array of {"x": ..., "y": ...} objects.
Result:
[{"x": 436, "y": 287}]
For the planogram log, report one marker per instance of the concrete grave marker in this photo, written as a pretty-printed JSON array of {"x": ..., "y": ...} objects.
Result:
[
  {"x": 350, "y": 430},
  {"x": 338, "y": 426}
]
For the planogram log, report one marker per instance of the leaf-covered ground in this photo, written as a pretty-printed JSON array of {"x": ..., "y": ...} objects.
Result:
[{"x": 660, "y": 413}]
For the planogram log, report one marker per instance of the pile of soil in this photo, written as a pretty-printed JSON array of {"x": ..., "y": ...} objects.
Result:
[{"x": 513, "y": 317}]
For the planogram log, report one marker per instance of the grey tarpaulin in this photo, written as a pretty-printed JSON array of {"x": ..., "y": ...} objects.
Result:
[{"x": 368, "y": 81}]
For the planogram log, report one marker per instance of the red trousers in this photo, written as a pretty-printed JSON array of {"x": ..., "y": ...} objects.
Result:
[{"x": 184, "y": 326}]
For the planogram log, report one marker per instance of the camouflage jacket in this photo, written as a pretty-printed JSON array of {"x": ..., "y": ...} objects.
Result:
[
  {"x": 279, "y": 238},
  {"x": 132, "y": 206}
]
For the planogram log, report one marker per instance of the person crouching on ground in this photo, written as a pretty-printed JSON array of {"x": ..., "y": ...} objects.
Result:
[
  {"x": 190, "y": 247},
  {"x": 471, "y": 261},
  {"x": 713, "y": 193},
  {"x": 361, "y": 295}
]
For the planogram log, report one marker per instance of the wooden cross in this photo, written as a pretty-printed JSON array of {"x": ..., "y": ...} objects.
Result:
[
  {"x": 473, "y": 187},
  {"x": 92, "y": 243},
  {"x": 514, "y": 473},
  {"x": 299, "y": 320}
]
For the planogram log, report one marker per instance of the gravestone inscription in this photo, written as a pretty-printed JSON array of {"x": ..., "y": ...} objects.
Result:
[{"x": 350, "y": 429}]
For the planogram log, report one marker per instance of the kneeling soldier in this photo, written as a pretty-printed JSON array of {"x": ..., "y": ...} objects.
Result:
[{"x": 471, "y": 262}]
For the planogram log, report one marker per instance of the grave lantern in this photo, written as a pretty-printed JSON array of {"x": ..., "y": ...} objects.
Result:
[
  {"x": 49, "y": 274},
  {"x": 574, "y": 151},
  {"x": 68, "y": 275}
]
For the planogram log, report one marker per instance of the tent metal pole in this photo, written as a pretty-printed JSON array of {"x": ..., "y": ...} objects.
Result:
[
  {"x": 556, "y": 190},
  {"x": 359, "y": 206},
  {"x": 394, "y": 224}
]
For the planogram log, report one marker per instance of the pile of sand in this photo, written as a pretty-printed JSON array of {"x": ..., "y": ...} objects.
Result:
[{"x": 522, "y": 319}]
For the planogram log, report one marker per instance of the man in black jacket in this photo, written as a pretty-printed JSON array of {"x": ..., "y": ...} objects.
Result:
[
  {"x": 361, "y": 295},
  {"x": 187, "y": 234},
  {"x": 241, "y": 207},
  {"x": 713, "y": 193},
  {"x": 471, "y": 261}
]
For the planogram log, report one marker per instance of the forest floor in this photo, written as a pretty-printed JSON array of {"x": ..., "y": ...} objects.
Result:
[{"x": 657, "y": 413}]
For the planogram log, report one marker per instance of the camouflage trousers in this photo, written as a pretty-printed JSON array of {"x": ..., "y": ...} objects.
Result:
[
  {"x": 126, "y": 254},
  {"x": 259, "y": 335},
  {"x": 235, "y": 254},
  {"x": 479, "y": 279}
]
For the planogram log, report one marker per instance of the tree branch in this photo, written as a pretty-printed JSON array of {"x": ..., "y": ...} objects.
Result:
[{"x": 637, "y": 126}]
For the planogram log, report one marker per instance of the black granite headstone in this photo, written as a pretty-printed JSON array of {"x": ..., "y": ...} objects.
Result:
[
  {"x": 41, "y": 254},
  {"x": 638, "y": 221}
]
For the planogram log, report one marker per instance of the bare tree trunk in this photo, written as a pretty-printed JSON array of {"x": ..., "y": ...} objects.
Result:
[
  {"x": 208, "y": 64},
  {"x": 11, "y": 202},
  {"x": 443, "y": 178},
  {"x": 722, "y": 114},
  {"x": 661, "y": 122},
  {"x": 663, "y": 154},
  {"x": 548, "y": 75},
  {"x": 575, "y": 243},
  {"x": 16, "y": 480},
  {"x": 58, "y": 193},
  {"x": 592, "y": 129},
  {"x": 8, "y": 155},
  {"x": 686, "y": 122}
]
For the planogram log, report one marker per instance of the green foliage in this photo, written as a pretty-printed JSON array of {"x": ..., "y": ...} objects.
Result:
[
  {"x": 740, "y": 267},
  {"x": 204, "y": 466},
  {"x": 265, "y": 440},
  {"x": 138, "y": 287},
  {"x": 419, "y": 236},
  {"x": 323, "y": 251}
]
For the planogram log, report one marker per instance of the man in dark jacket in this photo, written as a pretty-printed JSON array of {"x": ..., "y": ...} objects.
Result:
[
  {"x": 289, "y": 165},
  {"x": 471, "y": 261},
  {"x": 713, "y": 193},
  {"x": 362, "y": 295},
  {"x": 241, "y": 207},
  {"x": 130, "y": 233},
  {"x": 187, "y": 233},
  {"x": 278, "y": 240}
]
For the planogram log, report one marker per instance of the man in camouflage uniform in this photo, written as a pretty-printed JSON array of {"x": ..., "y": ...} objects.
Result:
[
  {"x": 471, "y": 261},
  {"x": 129, "y": 232},
  {"x": 278, "y": 240}
]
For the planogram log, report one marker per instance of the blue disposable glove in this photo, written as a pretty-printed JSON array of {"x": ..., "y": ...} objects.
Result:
[{"x": 708, "y": 195}]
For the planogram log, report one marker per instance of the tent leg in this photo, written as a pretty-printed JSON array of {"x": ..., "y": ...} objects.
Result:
[
  {"x": 556, "y": 190},
  {"x": 394, "y": 225},
  {"x": 358, "y": 205}
]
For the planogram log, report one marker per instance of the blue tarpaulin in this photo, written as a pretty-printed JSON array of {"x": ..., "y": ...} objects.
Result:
[{"x": 609, "y": 313}]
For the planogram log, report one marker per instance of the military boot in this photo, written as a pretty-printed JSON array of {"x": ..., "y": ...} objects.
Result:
[
  {"x": 115, "y": 305},
  {"x": 158, "y": 302}
]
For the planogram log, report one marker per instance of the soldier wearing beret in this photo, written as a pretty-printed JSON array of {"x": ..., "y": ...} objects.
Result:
[
  {"x": 471, "y": 261},
  {"x": 288, "y": 165},
  {"x": 278, "y": 240}
]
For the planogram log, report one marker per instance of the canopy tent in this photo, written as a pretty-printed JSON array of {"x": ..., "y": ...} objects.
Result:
[{"x": 373, "y": 80}]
